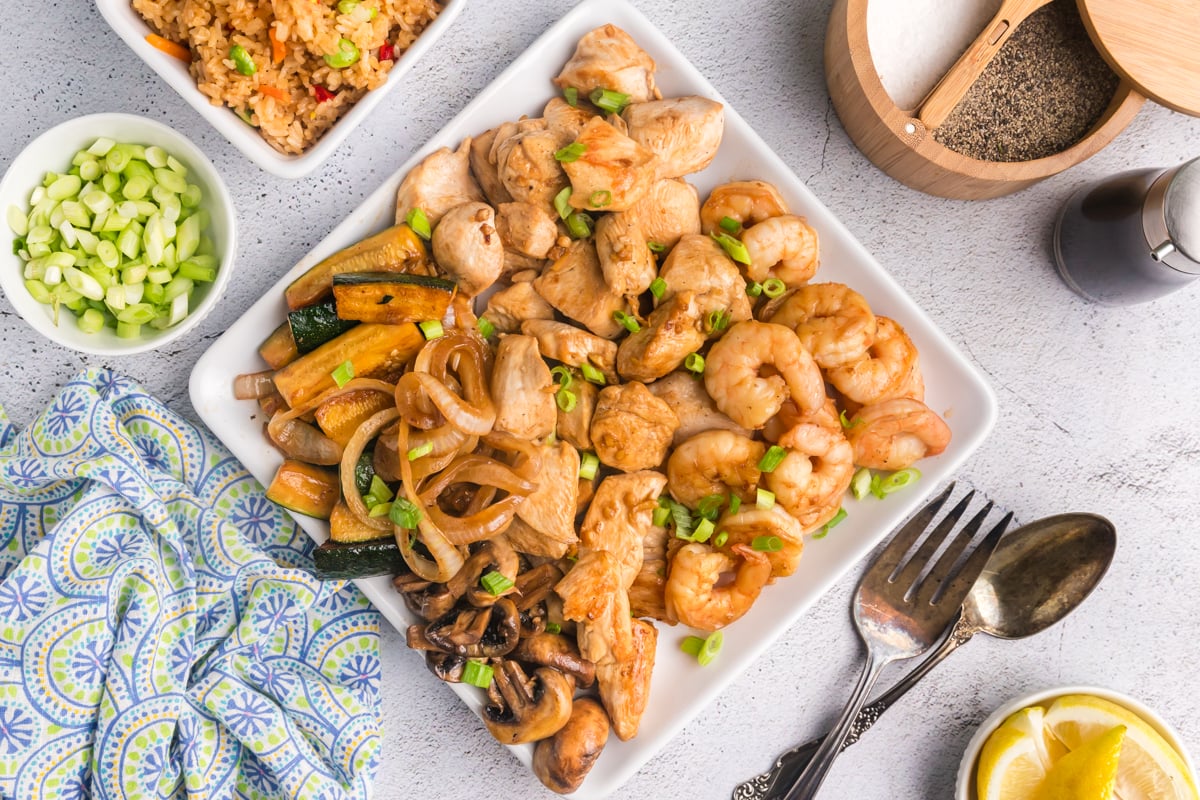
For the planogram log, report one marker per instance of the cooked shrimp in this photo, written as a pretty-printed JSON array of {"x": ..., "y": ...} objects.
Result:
[
  {"x": 895, "y": 434},
  {"x": 886, "y": 371},
  {"x": 748, "y": 202},
  {"x": 751, "y": 522},
  {"x": 789, "y": 416},
  {"x": 714, "y": 462},
  {"x": 782, "y": 247},
  {"x": 735, "y": 380},
  {"x": 833, "y": 321},
  {"x": 814, "y": 475},
  {"x": 692, "y": 595}
]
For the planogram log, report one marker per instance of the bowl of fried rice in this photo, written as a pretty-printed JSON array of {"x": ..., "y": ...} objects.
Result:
[{"x": 284, "y": 80}]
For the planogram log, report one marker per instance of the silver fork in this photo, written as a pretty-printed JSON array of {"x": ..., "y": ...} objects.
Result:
[{"x": 904, "y": 606}]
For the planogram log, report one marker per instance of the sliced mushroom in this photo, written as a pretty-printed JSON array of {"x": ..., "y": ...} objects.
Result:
[
  {"x": 439, "y": 183},
  {"x": 562, "y": 761},
  {"x": 491, "y": 555},
  {"x": 427, "y": 599},
  {"x": 555, "y": 650},
  {"x": 467, "y": 247},
  {"x": 477, "y": 632},
  {"x": 447, "y": 666},
  {"x": 535, "y": 707}
]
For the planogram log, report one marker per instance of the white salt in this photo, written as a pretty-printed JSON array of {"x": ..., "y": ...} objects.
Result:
[{"x": 915, "y": 42}]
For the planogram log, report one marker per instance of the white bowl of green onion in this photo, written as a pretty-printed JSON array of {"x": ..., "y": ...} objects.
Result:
[{"x": 117, "y": 234}]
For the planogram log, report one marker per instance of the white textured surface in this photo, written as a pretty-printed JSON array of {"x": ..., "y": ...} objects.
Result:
[{"x": 1098, "y": 405}]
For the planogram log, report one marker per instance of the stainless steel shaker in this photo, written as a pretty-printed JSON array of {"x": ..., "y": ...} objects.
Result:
[{"x": 1133, "y": 237}]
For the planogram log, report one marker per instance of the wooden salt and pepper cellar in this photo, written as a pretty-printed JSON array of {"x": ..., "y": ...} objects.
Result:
[{"x": 1152, "y": 45}]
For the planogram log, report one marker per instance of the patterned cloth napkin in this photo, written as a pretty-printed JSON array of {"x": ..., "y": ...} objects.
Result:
[{"x": 160, "y": 636}]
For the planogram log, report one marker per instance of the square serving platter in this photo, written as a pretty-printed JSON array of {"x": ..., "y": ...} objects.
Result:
[
  {"x": 954, "y": 387},
  {"x": 130, "y": 26}
]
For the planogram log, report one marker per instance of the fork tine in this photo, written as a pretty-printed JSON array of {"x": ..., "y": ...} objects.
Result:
[
  {"x": 889, "y": 559},
  {"x": 959, "y": 542},
  {"x": 905, "y": 577},
  {"x": 953, "y": 590}
]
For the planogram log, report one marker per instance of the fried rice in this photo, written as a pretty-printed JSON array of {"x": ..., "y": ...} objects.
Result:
[{"x": 293, "y": 95}]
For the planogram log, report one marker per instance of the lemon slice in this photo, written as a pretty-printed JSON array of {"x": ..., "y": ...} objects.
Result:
[
  {"x": 1089, "y": 773},
  {"x": 1148, "y": 769},
  {"x": 1013, "y": 762}
]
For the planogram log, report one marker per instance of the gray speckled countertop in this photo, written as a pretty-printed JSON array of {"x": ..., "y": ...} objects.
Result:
[{"x": 1098, "y": 406}]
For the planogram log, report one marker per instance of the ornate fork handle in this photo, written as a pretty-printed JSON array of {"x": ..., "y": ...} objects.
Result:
[{"x": 775, "y": 782}]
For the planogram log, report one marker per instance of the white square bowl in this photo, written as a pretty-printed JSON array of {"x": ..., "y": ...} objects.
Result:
[{"x": 130, "y": 26}]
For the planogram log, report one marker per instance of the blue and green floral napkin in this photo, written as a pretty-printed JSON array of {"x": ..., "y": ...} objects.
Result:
[{"x": 160, "y": 633}]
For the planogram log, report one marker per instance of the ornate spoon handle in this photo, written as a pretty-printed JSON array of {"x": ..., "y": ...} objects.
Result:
[{"x": 775, "y": 782}]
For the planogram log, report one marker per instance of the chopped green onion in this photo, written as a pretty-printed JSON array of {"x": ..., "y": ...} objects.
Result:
[
  {"x": 626, "y": 321},
  {"x": 608, "y": 100},
  {"x": 562, "y": 203},
  {"x": 242, "y": 62},
  {"x": 571, "y": 152},
  {"x": 692, "y": 645},
  {"x": 730, "y": 225},
  {"x": 419, "y": 223},
  {"x": 405, "y": 513},
  {"x": 485, "y": 327},
  {"x": 591, "y": 374},
  {"x": 346, "y": 55},
  {"x": 754, "y": 289},
  {"x": 694, "y": 363},
  {"x": 571, "y": 94},
  {"x": 379, "y": 509},
  {"x": 417, "y": 452},
  {"x": 860, "y": 484},
  {"x": 833, "y": 523},
  {"x": 588, "y": 464},
  {"x": 579, "y": 225},
  {"x": 684, "y": 522},
  {"x": 773, "y": 287},
  {"x": 553, "y": 627},
  {"x": 772, "y": 458},
  {"x": 732, "y": 247},
  {"x": 344, "y": 372},
  {"x": 897, "y": 481},
  {"x": 661, "y": 515},
  {"x": 496, "y": 583},
  {"x": 848, "y": 423},
  {"x": 735, "y": 503},
  {"x": 655, "y": 247},
  {"x": 717, "y": 320},
  {"x": 704, "y": 530},
  {"x": 562, "y": 376},
  {"x": 720, "y": 539},
  {"x": 432, "y": 329},
  {"x": 379, "y": 490},
  {"x": 477, "y": 674},
  {"x": 764, "y": 499},
  {"x": 658, "y": 287},
  {"x": 767, "y": 544},
  {"x": 704, "y": 650},
  {"x": 566, "y": 400},
  {"x": 347, "y": 6},
  {"x": 91, "y": 321},
  {"x": 600, "y": 198},
  {"x": 709, "y": 507}
]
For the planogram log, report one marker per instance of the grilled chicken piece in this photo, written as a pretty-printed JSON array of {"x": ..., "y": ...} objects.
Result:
[
  {"x": 697, "y": 412},
  {"x": 632, "y": 429},
  {"x": 673, "y": 332},
  {"x": 613, "y": 171},
  {"x": 483, "y": 167},
  {"x": 571, "y": 346},
  {"x": 620, "y": 517},
  {"x": 509, "y": 307},
  {"x": 625, "y": 258},
  {"x": 575, "y": 286},
  {"x": 668, "y": 211},
  {"x": 549, "y": 511},
  {"x": 609, "y": 58},
  {"x": 565, "y": 118},
  {"x": 575, "y": 426},
  {"x": 466, "y": 246},
  {"x": 522, "y": 389},
  {"x": 593, "y": 596},
  {"x": 684, "y": 132},
  {"x": 528, "y": 168},
  {"x": 625, "y": 684},
  {"x": 439, "y": 183},
  {"x": 530, "y": 230},
  {"x": 646, "y": 595},
  {"x": 699, "y": 264}
]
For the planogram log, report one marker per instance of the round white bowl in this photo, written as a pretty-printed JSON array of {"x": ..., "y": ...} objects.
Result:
[
  {"x": 52, "y": 152},
  {"x": 964, "y": 787}
]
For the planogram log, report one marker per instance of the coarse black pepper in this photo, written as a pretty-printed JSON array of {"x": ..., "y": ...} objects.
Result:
[{"x": 1041, "y": 94}]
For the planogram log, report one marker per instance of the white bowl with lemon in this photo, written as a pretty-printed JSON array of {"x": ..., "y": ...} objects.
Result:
[{"x": 1078, "y": 742}]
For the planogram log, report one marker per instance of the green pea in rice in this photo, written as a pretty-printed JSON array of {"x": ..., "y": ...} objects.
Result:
[{"x": 309, "y": 30}]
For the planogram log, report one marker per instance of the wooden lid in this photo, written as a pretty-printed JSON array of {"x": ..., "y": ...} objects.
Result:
[{"x": 1155, "y": 44}]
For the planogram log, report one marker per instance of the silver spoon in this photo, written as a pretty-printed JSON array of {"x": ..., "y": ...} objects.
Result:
[{"x": 1039, "y": 573}]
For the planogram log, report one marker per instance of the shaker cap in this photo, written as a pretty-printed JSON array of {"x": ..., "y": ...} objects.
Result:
[
  {"x": 1181, "y": 208},
  {"x": 1153, "y": 44}
]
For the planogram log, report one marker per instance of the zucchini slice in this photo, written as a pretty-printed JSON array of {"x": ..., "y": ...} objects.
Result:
[
  {"x": 334, "y": 560},
  {"x": 279, "y": 349},
  {"x": 305, "y": 488},
  {"x": 377, "y": 351},
  {"x": 345, "y": 527},
  {"x": 339, "y": 417},
  {"x": 391, "y": 298},
  {"x": 396, "y": 249},
  {"x": 315, "y": 325}
]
